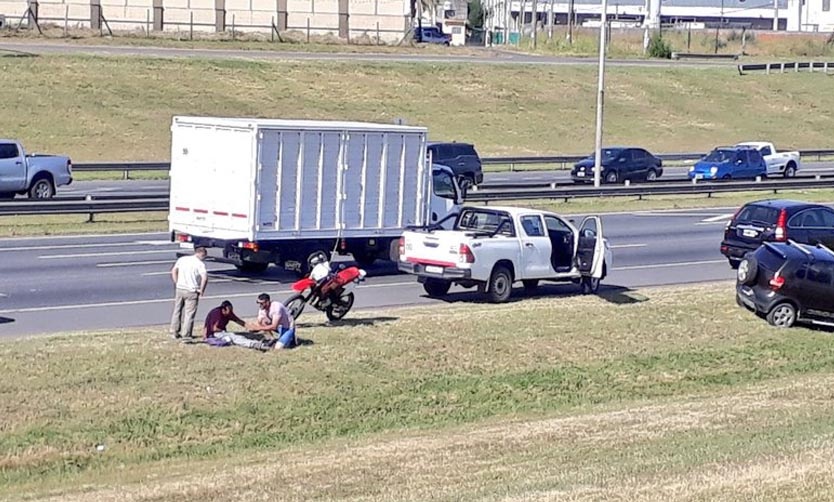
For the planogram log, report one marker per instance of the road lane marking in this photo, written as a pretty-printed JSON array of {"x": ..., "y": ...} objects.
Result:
[
  {"x": 83, "y": 246},
  {"x": 136, "y": 263},
  {"x": 623, "y": 246},
  {"x": 92, "y": 255},
  {"x": 668, "y": 265},
  {"x": 170, "y": 300}
]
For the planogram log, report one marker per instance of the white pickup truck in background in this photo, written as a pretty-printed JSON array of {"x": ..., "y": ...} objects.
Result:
[
  {"x": 778, "y": 163},
  {"x": 36, "y": 175},
  {"x": 493, "y": 247}
]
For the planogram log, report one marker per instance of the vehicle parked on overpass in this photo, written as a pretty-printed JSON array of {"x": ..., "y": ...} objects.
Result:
[
  {"x": 493, "y": 247},
  {"x": 776, "y": 220},
  {"x": 729, "y": 163},
  {"x": 268, "y": 191},
  {"x": 778, "y": 163},
  {"x": 788, "y": 282},
  {"x": 34, "y": 174},
  {"x": 618, "y": 164}
]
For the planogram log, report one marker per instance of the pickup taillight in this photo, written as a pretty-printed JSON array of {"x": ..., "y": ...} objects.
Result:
[
  {"x": 465, "y": 254},
  {"x": 401, "y": 246},
  {"x": 69, "y": 166}
]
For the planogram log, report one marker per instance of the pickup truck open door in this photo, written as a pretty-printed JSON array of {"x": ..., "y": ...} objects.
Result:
[{"x": 590, "y": 251}]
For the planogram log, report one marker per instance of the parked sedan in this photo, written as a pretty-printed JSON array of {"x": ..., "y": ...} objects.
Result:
[
  {"x": 729, "y": 163},
  {"x": 619, "y": 164}
]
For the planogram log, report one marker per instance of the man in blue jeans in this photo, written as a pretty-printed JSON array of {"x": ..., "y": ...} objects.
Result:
[{"x": 276, "y": 322}]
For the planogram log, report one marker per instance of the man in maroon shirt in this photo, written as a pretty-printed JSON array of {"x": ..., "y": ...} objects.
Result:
[{"x": 217, "y": 320}]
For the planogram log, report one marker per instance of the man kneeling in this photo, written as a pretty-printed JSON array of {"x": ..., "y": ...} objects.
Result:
[
  {"x": 276, "y": 322},
  {"x": 217, "y": 320}
]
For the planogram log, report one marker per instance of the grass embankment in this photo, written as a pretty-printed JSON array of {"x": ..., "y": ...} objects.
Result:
[
  {"x": 107, "y": 109},
  {"x": 675, "y": 393}
]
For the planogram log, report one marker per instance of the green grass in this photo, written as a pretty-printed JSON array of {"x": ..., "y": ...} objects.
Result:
[
  {"x": 673, "y": 393},
  {"x": 110, "y": 109}
]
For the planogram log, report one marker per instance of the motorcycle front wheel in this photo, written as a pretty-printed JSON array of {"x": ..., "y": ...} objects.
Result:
[
  {"x": 295, "y": 304},
  {"x": 339, "y": 307}
]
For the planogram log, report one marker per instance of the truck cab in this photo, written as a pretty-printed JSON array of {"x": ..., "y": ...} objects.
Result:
[
  {"x": 493, "y": 247},
  {"x": 778, "y": 163}
]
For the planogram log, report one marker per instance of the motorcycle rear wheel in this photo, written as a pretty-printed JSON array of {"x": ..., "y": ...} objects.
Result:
[
  {"x": 339, "y": 308},
  {"x": 295, "y": 304}
]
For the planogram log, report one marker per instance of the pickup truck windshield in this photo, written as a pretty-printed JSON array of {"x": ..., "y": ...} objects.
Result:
[
  {"x": 484, "y": 221},
  {"x": 720, "y": 156}
]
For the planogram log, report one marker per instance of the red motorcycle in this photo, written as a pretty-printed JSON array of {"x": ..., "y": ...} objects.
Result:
[{"x": 327, "y": 291}]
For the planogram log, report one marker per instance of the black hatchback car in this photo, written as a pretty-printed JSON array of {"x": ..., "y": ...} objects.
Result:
[
  {"x": 619, "y": 164},
  {"x": 787, "y": 282},
  {"x": 461, "y": 158},
  {"x": 776, "y": 220}
]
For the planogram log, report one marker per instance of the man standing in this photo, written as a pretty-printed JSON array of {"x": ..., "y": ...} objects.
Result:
[
  {"x": 217, "y": 320},
  {"x": 276, "y": 321},
  {"x": 190, "y": 278}
]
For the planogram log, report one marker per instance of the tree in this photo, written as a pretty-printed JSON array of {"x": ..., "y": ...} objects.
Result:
[{"x": 477, "y": 15}]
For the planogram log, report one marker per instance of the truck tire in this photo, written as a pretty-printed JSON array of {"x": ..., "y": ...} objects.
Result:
[
  {"x": 42, "y": 188},
  {"x": 364, "y": 260},
  {"x": 436, "y": 288},
  {"x": 500, "y": 285},
  {"x": 790, "y": 170}
]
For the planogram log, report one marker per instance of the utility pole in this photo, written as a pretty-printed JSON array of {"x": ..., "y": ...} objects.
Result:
[
  {"x": 535, "y": 23},
  {"x": 570, "y": 22},
  {"x": 600, "y": 91},
  {"x": 775, "y": 15},
  {"x": 550, "y": 22}
]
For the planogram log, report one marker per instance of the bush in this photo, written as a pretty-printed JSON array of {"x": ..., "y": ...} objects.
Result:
[{"x": 659, "y": 48}]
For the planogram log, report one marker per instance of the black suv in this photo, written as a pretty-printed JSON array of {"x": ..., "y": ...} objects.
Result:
[
  {"x": 461, "y": 158},
  {"x": 776, "y": 221},
  {"x": 788, "y": 282}
]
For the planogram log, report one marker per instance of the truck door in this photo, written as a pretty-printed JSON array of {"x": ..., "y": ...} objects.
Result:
[
  {"x": 590, "y": 252},
  {"x": 444, "y": 198},
  {"x": 12, "y": 168},
  {"x": 535, "y": 248}
]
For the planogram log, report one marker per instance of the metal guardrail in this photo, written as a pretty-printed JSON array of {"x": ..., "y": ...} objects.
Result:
[
  {"x": 781, "y": 67},
  {"x": 501, "y": 161},
  {"x": 137, "y": 204}
]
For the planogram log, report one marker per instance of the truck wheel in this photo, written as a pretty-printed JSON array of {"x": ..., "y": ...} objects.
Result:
[
  {"x": 500, "y": 285},
  {"x": 790, "y": 170},
  {"x": 589, "y": 285},
  {"x": 436, "y": 287},
  {"x": 253, "y": 267},
  {"x": 42, "y": 188},
  {"x": 364, "y": 260}
]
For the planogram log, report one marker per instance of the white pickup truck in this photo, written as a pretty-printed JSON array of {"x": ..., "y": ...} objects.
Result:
[
  {"x": 778, "y": 163},
  {"x": 36, "y": 175},
  {"x": 494, "y": 247}
]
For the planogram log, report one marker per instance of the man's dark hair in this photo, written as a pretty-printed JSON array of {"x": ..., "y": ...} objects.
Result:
[
  {"x": 263, "y": 297},
  {"x": 226, "y": 304},
  {"x": 200, "y": 250}
]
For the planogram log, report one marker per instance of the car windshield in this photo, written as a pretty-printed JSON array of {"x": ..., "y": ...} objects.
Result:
[
  {"x": 720, "y": 156},
  {"x": 482, "y": 221}
]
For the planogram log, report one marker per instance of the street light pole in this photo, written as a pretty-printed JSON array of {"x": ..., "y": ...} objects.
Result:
[{"x": 600, "y": 91}]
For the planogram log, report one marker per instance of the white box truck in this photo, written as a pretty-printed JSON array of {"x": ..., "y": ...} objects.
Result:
[{"x": 260, "y": 191}]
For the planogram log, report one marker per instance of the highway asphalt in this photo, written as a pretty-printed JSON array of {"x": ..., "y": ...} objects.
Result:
[
  {"x": 155, "y": 187},
  {"x": 488, "y": 56},
  {"x": 59, "y": 284}
]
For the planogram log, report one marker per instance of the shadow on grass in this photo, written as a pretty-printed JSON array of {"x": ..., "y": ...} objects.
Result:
[
  {"x": 618, "y": 295},
  {"x": 351, "y": 322},
  {"x": 11, "y": 53}
]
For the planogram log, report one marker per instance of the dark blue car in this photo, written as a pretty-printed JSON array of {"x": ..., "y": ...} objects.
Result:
[
  {"x": 618, "y": 164},
  {"x": 728, "y": 163}
]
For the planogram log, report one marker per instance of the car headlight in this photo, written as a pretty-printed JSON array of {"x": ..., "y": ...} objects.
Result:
[{"x": 713, "y": 169}]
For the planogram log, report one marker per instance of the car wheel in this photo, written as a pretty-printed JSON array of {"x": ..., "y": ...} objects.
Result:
[
  {"x": 611, "y": 177},
  {"x": 42, "y": 188},
  {"x": 726, "y": 177},
  {"x": 589, "y": 285},
  {"x": 651, "y": 175},
  {"x": 500, "y": 285},
  {"x": 783, "y": 315},
  {"x": 747, "y": 270},
  {"x": 531, "y": 286},
  {"x": 790, "y": 171},
  {"x": 436, "y": 287}
]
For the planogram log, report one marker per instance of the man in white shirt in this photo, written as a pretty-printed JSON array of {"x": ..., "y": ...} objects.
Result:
[{"x": 190, "y": 278}]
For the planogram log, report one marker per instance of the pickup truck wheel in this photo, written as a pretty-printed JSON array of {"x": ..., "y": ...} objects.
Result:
[
  {"x": 790, "y": 171},
  {"x": 500, "y": 285},
  {"x": 42, "y": 188},
  {"x": 530, "y": 286},
  {"x": 589, "y": 285},
  {"x": 436, "y": 287}
]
